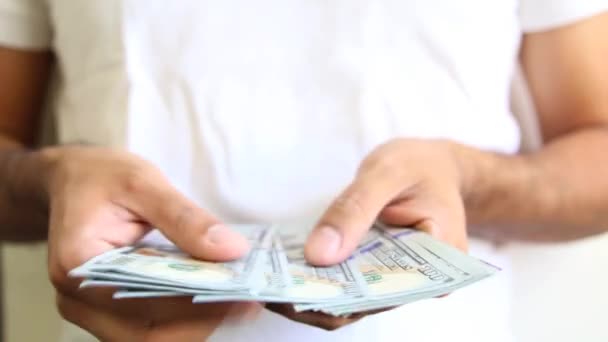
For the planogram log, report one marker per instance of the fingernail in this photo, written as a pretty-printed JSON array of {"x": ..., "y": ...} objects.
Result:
[
  {"x": 219, "y": 234},
  {"x": 327, "y": 241}
]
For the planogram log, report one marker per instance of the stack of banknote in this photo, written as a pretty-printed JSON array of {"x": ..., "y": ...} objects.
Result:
[{"x": 391, "y": 267}]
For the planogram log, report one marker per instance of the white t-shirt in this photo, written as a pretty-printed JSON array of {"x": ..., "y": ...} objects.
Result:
[{"x": 262, "y": 110}]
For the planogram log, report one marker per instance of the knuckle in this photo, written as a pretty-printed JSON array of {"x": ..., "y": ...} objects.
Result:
[
  {"x": 137, "y": 179},
  {"x": 184, "y": 218},
  {"x": 388, "y": 165},
  {"x": 387, "y": 168},
  {"x": 349, "y": 204}
]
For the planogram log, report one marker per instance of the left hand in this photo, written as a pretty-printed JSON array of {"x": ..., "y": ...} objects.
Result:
[{"x": 405, "y": 182}]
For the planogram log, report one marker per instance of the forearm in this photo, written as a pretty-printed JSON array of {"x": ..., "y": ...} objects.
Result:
[
  {"x": 559, "y": 193},
  {"x": 23, "y": 204}
]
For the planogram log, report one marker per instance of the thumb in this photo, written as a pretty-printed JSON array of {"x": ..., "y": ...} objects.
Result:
[
  {"x": 190, "y": 227},
  {"x": 348, "y": 219}
]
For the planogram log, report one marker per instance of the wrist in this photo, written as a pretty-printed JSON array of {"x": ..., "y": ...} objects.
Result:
[
  {"x": 47, "y": 159},
  {"x": 31, "y": 174},
  {"x": 23, "y": 196},
  {"x": 487, "y": 179},
  {"x": 469, "y": 162}
]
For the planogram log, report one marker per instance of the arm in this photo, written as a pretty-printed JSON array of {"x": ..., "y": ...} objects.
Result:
[
  {"x": 23, "y": 81},
  {"x": 560, "y": 192}
]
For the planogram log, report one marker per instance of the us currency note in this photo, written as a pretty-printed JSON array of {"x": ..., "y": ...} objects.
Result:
[
  {"x": 460, "y": 269},
  {"x": 168, "y": 263},
  {"x": 126, "y": 294},
  {"x": 391, "y": 267},
  {"x": 287, "y": 277},
  {"x": 143, "y": 286}
]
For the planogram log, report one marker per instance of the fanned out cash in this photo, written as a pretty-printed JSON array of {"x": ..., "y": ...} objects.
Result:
[{"x": 391, "y": 267}]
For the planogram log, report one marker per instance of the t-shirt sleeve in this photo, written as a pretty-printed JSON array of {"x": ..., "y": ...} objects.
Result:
[
  {"x": 25, "y": 24},
  {"x": 541, "y": 15}
]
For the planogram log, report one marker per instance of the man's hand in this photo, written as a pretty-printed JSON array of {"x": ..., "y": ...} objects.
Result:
[
  {"x": 100, "y": 199},
  {"x": 405, "y": 182}
]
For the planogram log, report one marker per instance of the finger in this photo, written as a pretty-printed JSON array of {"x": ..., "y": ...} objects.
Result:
[
  {"x": 350, "y": 216},
  {"x": 243, "y": 312},
  {"x": 153, "y": 309},
  {"x": 127, "y": 325},
  {"x": 316, "y": 319},
  {"x": 103, "y": 325},
  {"x": 191, "y": 228}
]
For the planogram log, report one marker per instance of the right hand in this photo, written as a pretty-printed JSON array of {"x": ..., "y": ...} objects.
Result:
[{"x": 101, "y": 199}]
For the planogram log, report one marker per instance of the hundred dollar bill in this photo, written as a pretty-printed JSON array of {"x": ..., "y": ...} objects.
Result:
[
  {"x": 287, "y": 277},
  {"x": 338, "y": 282},
  {"x": 375, "y": 304},
  {"x": 142, "y": 286},
  {"x": 126, "y": 293},
  {"x": 461, "y": 268},
  {"x": 168, "y": 263},
  {"x": 391, "y": 267},
  {"x": 121, "y": 277}
]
